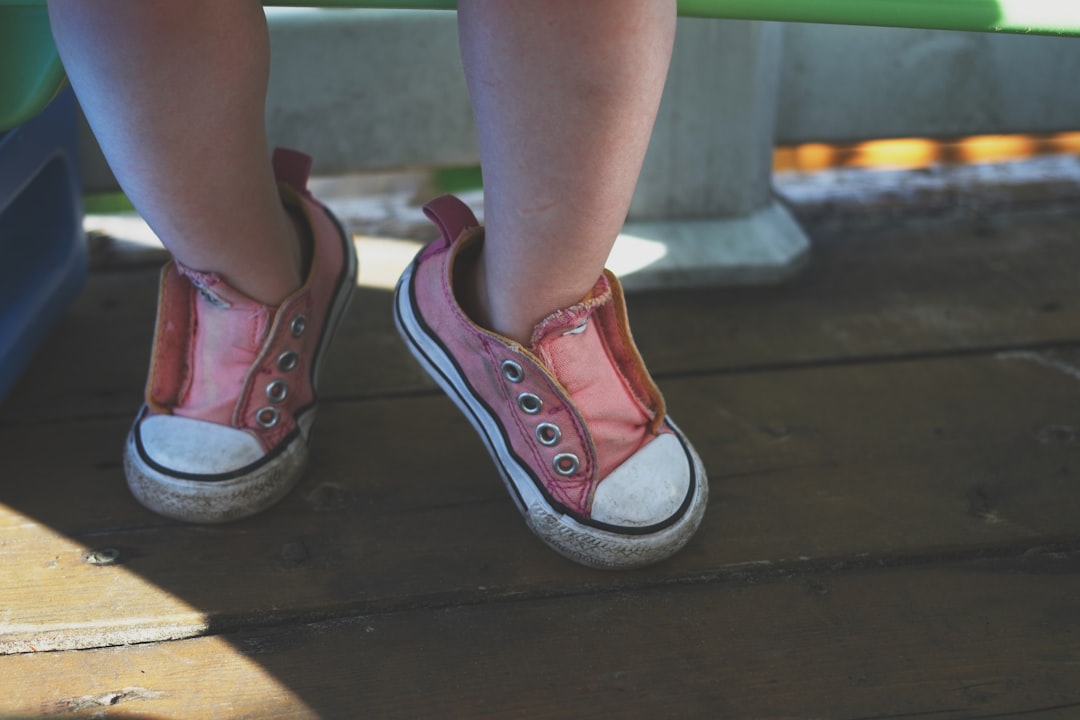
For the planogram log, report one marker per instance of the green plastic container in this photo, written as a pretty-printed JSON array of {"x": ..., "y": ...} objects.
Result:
[{"x": 30, "y": 70}]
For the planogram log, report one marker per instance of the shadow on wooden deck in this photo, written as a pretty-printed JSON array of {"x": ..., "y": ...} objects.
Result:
[{"x": 893, "y": 441}]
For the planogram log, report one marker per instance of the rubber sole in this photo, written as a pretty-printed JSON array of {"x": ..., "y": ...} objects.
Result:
[{"x": 214, "y": 501}]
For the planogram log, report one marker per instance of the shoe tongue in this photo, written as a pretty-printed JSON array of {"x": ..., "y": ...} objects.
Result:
[
  {"x": 591, "y": 363},
  {"x": 227, "y": 333},
  {"x": 573, "y": 319}
]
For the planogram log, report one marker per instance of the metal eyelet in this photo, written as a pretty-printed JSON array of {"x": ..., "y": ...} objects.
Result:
[
  {"x": 512, "y": 371},
  {"x": 565, "y": 464},
  {"x": 530, "y": 404},
  {"x": 548, "y": 434},
  {"x": 277, "y": 391},
  {"x": 267, "y": 417},
  {"x": 288, "y": 360},
  {"x": 298, "y": 325}
]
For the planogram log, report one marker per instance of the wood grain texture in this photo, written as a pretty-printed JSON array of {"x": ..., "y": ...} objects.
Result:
[
  {"x": 982, "y": 639},
  {"x": 918, "y": 459}
]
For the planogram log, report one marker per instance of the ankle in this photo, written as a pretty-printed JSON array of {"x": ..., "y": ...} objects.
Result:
[
  {"x": 475, "y": 294},
  {"x": 280, "y": 273}
]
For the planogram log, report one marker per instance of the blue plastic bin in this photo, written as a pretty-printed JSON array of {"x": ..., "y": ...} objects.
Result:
[{"x": 43, "y": 259}]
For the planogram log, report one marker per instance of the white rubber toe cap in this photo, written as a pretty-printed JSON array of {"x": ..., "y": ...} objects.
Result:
[
  {"x": 648, "y": 488},
  {"x": 197, "y": 447}
]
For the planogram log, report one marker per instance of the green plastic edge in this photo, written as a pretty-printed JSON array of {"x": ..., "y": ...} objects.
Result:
[{"x": 30, "y": 71}]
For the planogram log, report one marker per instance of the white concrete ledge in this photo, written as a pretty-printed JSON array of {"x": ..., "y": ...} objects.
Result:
[{"x": 765, "y": 247}]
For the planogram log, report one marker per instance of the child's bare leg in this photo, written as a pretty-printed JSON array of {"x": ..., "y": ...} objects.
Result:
[
  {"x": 175, "y": 92},
  {"x": 565, "y": 95}
]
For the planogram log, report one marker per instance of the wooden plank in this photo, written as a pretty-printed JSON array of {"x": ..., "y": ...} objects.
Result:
[
  {"x": 914, "y": 288},
  {"x": 982, "y": 639},
  {"x": 809, "y": 467}
]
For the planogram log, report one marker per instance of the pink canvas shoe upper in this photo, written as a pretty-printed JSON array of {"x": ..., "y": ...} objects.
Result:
[
  {"x": 583, "y": 349},
  {"x": 579, "y": 396},
  {"x": 220, "y": 357}
]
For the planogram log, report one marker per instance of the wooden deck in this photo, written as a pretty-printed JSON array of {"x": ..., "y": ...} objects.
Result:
[{"x": 893, "y": 441}]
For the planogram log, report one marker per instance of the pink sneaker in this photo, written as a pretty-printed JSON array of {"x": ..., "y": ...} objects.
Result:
[
  {"x": 574, "y": 423},
  {"x": 230, "y": 399}
]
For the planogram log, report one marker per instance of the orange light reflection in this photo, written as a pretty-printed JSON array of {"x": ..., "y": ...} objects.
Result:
[{"x": 914, "y": 153}]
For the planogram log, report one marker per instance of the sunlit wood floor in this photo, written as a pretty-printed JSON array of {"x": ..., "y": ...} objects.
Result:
[{"x": 893, "y": 442}]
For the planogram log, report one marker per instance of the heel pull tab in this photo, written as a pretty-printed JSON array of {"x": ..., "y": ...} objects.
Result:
[
  {"x": 452, "y": 216},
  {"x": 293, "y": 168}
]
